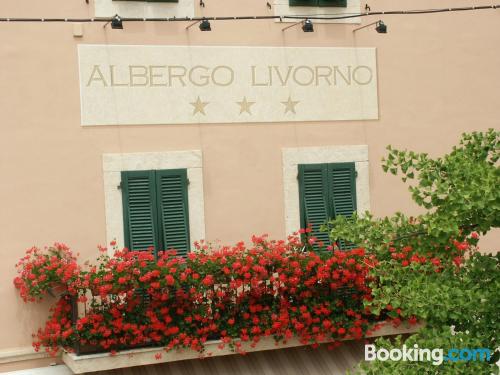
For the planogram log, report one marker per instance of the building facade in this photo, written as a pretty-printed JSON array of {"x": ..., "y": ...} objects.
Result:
[{"x": 161, "y": 135}]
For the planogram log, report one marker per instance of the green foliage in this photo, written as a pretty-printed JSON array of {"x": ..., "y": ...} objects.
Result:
[
  {"x": 421, "y": 272},
  {"x": 459, "y": 190},
  {"x": 377, "y": 234},
  {"x": 441, "y": 337},
  {"x": 465, "y": 297},
  {"x": 461, "y": 187},
  {"x": 463, "y": 301}
]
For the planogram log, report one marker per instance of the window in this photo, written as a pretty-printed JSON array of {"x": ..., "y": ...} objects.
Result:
[
  {"x": 145, "y": 8},
  {"x": 317, "y": 8},
  {"x": 155, "y": 210},
  {"x": 294, "y": 157},
  {"x": 326, "y": 191},
  {"x": 318, "y": 3},
  {"x": 149, "y": 164}
]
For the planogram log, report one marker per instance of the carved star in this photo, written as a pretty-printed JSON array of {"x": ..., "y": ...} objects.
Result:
[
  {"x": 245, "y": 105},
  {"x": 199, "y": 106},
  {"x": 290, "y": 105}
]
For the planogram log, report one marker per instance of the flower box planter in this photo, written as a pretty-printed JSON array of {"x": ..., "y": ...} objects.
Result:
[
  {"x": 80, "y": 364},
  {"x": 247, "y": 295}
]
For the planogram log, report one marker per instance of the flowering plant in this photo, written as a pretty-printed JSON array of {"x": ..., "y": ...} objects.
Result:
[
  {"x": 237, "y": 294},
  {"x": 42, "y": 271}
]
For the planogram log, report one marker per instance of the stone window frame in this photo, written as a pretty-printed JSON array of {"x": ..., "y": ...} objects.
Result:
[
  {"x": 143, "y": 9},
  {"x": 114, "y": 164},
  {"x": 292, "y": 157}
]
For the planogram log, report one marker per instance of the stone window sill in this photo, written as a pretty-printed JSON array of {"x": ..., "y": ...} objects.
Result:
[{"x": 142, "y": 357}]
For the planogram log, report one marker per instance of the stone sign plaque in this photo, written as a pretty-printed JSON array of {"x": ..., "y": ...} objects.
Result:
[{"x": 135, "y": 85}]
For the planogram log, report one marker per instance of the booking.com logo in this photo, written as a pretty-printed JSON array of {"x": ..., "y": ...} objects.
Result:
[{"x": 416, "y": 354}]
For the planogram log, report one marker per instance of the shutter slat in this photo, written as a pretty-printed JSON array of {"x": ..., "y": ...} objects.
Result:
[
  {"x": 303, "y": 3},
  {"x": 139, "y": 209},
  {"x": 342, "y": 186},
  {"x": 318, "y": 3},
  {"x": 173, "y": 210},
  {"x": 314, "y": 203}
]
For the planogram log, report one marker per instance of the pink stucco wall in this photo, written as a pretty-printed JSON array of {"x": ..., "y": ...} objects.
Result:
[{"x": 438, "y": 77}]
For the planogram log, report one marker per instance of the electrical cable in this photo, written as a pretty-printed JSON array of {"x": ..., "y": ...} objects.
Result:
[{"x": 238, "y": 18}]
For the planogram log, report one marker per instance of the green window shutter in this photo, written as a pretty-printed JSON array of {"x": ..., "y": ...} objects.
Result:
[
  {"x": 152, "y": 1},
  {"x": 303, "y": 3},
  {"x": 316, "y": 3},
  {"x": 342, "y": 190},
  {"x": 313, "y": 192},
  {"x": 140, "y": 210},
  {"x": 333, "y": 3},
  {"x": 171, "y": 187}
]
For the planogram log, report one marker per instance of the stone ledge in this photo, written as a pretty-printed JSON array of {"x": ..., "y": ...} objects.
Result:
[
  {"x": 142, "y": 357},
  {"x": 49, "y": 370},
  {"x": 20, "y": 354}
]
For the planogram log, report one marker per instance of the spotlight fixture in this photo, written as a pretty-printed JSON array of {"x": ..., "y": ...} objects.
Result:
[
  {"x": 116, "y": 22},
  {"x": 204, "y": 25},
  {"x": 380, "y": 27},
  {"x": 307, "y": 26}
]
